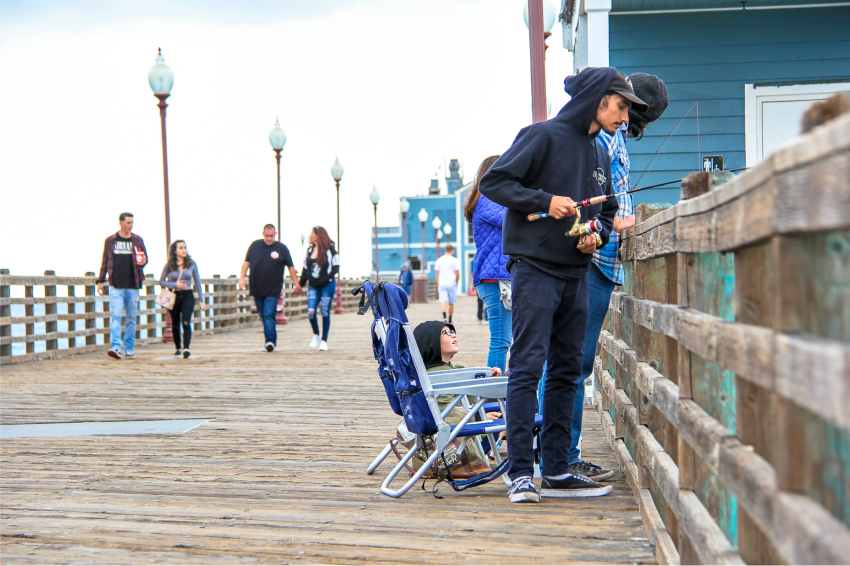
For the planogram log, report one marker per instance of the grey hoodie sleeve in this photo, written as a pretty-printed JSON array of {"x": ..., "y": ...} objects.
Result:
[
  {"x": 503, "y": 182},
  {"x": 163, "y": 279},
  {"x": 197, "y": 279}
]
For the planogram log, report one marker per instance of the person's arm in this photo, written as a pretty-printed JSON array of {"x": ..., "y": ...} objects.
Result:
[
  {"x": 623, "y": 224},
  {"x": 104, "y": 262},
  {"x": 334, "y": 263},
  {"x": 196, "y": 277},
  {"x": 163, "y": 279},
  {"x": 144, "y": 251},
  {"x": 503, "y": 184},
  {"x": 294, "y": 276},
  {"x": 245, "y": 266}
]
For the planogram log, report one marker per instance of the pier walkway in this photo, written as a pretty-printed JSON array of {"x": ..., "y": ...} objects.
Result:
[{"x": 277, "y": 474}]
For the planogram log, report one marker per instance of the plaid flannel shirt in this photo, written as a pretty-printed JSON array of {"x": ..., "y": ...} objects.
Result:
[{"x": 607, "y": 259}]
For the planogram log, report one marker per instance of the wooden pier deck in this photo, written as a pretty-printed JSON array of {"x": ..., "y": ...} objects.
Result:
[{"x": 276, "y": 476}]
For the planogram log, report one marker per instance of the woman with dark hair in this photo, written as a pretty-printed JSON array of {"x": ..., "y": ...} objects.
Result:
[
  {"x": 489, "y": 274},
  {"x": 321, "y": 264},
  {"x": 178, "y": 275}
]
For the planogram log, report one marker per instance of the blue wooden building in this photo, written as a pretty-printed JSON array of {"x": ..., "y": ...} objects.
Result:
[
  {"x": 447, "y": 206},
  {"x": 752, "y": 68}
]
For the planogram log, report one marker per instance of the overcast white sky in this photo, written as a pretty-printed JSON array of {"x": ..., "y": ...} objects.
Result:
[{"x": 394, "y": 88}]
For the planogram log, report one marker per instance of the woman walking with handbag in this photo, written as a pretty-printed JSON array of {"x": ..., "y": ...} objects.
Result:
[
  {"x": 321, "y": 264},
  {"x": 179, "y": 274},
  {"x": 489, "y": 274}
]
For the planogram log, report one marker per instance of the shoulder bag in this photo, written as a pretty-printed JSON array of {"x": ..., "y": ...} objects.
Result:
[{"x": 166, "y": 296}]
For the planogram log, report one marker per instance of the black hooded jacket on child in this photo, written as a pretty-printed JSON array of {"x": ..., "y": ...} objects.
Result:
[
  {"x": 427, "y": 336},
  {"x": 557, "y": 157}
]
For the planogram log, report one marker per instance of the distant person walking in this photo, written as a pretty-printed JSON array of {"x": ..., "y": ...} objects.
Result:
[
  {"x": 267, "y": 259},
  {"x": 178, "y": 274},
  {"x": 124, "y": 261},
  {"x": 405, "y": 279},
  {"x": 489, "y": 274},
  {"x": 321, "y": 265},
  {"x": 448, "y": 277}
]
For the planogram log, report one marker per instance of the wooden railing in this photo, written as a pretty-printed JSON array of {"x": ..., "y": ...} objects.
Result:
[
  {"x": 724, "y": 366},
  {"x": 43, "y": 317}
]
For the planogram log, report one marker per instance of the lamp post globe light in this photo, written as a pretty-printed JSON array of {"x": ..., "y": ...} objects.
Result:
[
  {"x": 277, "y": 139},
  {"x": 374, "y": 196},
  {"x": 447, "y": 230},
  {"x": 303, "y": 237},
  {"x": 435, "y": 224},
  {"x": 336, "y": 172},
  {"x": 161, "y": 79},
  {"x": 404, "y": 207},
  {"x": 550, "y": 14},
  {"x": 423, "y": 218}
]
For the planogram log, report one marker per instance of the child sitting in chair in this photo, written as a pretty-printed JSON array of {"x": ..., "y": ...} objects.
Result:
[{"x": 437, "y": 342}]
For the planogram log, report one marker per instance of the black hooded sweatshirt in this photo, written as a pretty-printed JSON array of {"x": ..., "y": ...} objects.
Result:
[
  {"x": 427, "y": 337},
  {"x": 555, "y": 158}
]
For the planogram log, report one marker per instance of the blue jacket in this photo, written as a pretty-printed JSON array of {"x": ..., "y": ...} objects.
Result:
[
  {"x": 487, "y": 231},
  {"x": 405, "y": 277}
]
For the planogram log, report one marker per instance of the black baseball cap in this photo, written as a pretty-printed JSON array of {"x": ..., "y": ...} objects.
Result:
[{"x": 621, "y": 84}]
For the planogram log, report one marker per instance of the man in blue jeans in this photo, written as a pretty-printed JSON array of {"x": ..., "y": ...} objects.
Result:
[
  {"x": 267, "y": 259},
  {"x": 549, "y": 164},
  {"x": 606, "y": 271},
  {"x": 124, "y": 261}
]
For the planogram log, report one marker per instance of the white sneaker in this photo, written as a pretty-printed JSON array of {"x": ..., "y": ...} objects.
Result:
[
  {"x": 269, "y": 347},
  {"x": 115, "y": 353},
  {"x": 323, "y": 346},
  {"x": 314, "y": 343}
]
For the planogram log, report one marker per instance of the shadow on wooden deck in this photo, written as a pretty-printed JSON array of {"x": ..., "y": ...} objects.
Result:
[{"x": 278, "y": 475}]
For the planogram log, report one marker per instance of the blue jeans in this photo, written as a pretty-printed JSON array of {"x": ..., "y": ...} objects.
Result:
[
  {"x": 599, "y": 289},
  {"x": 325, "y": 295},
  {"x": 548, "y": 321},
  {"x": 119, "y": 301},
  {"x": 267, "y": 309},
  {"x": 500, "y": 324}
]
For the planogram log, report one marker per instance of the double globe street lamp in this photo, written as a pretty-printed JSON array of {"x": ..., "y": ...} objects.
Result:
[
  {"x": 436, "y": 223},
  {"x": 277, "y": 139},
  {"x": 336, "y": 172},
  {"x": 423, "y": 218},
  {"x": 404, "y": 207}
]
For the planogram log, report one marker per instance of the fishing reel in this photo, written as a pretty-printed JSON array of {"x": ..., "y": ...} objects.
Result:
[{"x": 590, "y": 228}]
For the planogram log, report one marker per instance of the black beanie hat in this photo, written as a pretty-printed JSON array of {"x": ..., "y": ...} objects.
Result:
[{"x": 651, "y": 90}]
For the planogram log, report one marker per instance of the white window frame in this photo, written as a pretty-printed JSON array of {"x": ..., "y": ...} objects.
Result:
[{"x": 755, "y": 97}]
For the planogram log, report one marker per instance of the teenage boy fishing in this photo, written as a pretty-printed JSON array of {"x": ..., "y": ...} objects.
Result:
[{"x": 548, "y": 166}]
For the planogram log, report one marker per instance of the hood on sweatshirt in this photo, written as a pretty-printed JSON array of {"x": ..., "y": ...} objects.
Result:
[
  {"x": 586, "y": 90},
  {"x": 427, "y": 337}
]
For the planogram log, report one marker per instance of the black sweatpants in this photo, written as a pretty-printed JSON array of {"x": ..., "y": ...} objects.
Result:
[
  {"x": 181, "y": 315},
  {"x": 548, "y": 324}
]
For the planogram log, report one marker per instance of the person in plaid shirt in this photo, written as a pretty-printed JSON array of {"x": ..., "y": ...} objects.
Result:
[{"x": 606, "y": 271}]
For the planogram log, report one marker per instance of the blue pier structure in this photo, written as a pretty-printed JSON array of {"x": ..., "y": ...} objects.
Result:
[
  {"x": 448, "y": 207},
  {"x": 752, "y": 67}
]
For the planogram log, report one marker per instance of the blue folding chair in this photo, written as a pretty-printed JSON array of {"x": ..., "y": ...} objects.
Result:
[{"x": 412, "y": 392}]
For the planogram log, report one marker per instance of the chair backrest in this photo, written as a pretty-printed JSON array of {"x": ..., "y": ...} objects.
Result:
[{"x": 398, "y": 358}]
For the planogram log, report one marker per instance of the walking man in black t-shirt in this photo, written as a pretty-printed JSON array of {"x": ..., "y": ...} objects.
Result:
[
  {"x": 266, "y": 259},
  {"x": 124, "y": 260}
]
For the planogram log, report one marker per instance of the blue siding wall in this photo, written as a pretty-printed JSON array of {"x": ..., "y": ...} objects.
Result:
[{"x": 708, "y": 57}]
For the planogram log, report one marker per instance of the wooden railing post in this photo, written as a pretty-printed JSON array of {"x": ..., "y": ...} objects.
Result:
[
  {"x": 29, "y": 310},
  {"x": 216, "y": 301},
  {"x": 50, "y": 308},
  {"x": 91, "y": 309},
  {"x": 233, "y": 299},
  {"x": 150, "y": 303},
  {"x": 5, "y": 312},
  {"x": 72, "y": 321}
]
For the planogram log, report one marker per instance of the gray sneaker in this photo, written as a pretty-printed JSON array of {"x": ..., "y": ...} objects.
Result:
[
  {"x": 590, "y": 471},
  {"x": 524, "y": 490},
  {"x": 129, "y": 356},
  {"x": 115, "y": 353}
]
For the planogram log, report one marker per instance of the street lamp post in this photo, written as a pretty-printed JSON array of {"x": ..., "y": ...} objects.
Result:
[
  {"x": 161, "y": 79},
  {"x": 277, "y": 139},
  {"x": 404, "y": 207},
  {"x": 374, "y": 196},
  {"x": 423, "y": 218},
  {"x": 447, "y": 230},
  {"x": 436, "y": 223},
  {"x": 539, "y": 16},
  {"x": 336, "y": 172}
]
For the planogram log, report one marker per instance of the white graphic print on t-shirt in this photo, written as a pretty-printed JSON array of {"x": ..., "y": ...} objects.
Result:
[{"x": 123, "y": 247}]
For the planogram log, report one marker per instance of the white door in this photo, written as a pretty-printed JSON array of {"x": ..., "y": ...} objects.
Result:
[{"x": 772, "y": 114}]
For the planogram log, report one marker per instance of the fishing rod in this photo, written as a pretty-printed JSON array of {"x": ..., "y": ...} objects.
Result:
[{"x": 602, "y": 198}]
